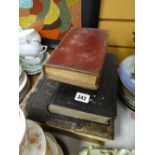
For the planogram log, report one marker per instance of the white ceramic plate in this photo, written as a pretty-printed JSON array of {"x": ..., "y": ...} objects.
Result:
[
  {"x": 51, "y": 136},
  {"x": 22, "y": 126},
  {"x": 35, "y": 141},
  {"x": 55, "y": 141},
  {"x": 60, "y": 150},
  {"x": 25, "y": 90},
  {"x": 20, "y": 71},
  {"x": 126, "y": 71},
  {"x": 53, "y": 146},
  {"x": 22, "y": 81}
]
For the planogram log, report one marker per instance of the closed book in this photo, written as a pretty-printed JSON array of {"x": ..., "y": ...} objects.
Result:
[
  {"x": 36, "y": 104},
  {"x": 79, "y": 57},
  {"x": 93, "y": 105}
]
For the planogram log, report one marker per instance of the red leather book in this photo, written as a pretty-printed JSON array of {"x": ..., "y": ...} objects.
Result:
[{"x": 79, "y": 58}]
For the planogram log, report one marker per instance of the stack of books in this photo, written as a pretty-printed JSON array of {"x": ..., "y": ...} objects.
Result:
[{"x": 78, "y": 91}]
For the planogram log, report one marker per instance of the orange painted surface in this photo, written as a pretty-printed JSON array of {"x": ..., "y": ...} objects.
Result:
[
  {"x": 23, "y": 12},
  {"x": 50, "y": 34}
]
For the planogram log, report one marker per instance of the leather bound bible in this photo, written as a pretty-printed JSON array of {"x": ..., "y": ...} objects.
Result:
[
  {"x": 92, "y": 105},
  {"x": 79, "y": 58}
]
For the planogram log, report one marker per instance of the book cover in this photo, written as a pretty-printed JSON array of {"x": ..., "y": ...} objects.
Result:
[
  {"x": 35, "y": 106},
  {"x": 95, "y": 105},
  {"x": 79, "y": 56}
]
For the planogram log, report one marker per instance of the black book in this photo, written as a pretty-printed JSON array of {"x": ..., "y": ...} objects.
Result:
[
  {"x": 36, "y": 106},
  {"x": 97, "y": 106}
]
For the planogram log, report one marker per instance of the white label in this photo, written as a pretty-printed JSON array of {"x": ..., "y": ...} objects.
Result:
[{"x": 82, "y": 97}]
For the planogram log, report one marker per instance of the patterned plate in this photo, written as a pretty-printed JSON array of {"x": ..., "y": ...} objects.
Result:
[
  {"x": 22, "y": 81},
  {"x": 35, "y": 141},
  {"x": 54, "y": 141},
  {"x": 24, "y": 91},
  {"x": 20, "y": 71},
  {"x": 22, "y": 126},
  {"x": 126, "y": 97},
  {"x": 126, "y": 73},
  {"x": 53, "y": 146}
]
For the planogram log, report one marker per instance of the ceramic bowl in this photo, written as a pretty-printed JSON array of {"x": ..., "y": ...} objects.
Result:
[
  {"x": 31, "y": 50},
  {"x": 32, "y": 69},
  {"x": 33, "y": 60}
]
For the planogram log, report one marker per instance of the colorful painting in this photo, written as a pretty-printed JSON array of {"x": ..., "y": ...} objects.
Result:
[{"x": 51, "y": 18}]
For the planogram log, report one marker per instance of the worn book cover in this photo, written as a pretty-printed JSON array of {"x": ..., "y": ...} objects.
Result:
[
  {"x": 36, "y": 106},
  {"x": 93, "y": 105},
  {"x": 79, "y": 57}
]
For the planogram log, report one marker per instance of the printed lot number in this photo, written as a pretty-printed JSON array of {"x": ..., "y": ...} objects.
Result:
[{"x": 82, "y": 97}]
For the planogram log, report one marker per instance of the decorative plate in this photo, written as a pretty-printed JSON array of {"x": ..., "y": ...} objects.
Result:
[
  {"x": 24, "y": 91},
  {"x": 22, "y": 81},
  {"x": 60, "y": 150},
  {"x": 53, "y": 146},
  {"x": 51, "y": 136},
  {"x": 127, "y": 98},
  {"x": 126, "y": 73},
  {"x": 22, "y": 126},
  {"x": 20, "y": 71},
  {"x": 35, "y": 141},
  {"x": 55, "y": 141}
]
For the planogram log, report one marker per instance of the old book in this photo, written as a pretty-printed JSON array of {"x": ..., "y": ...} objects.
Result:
[
  {"x": 36, "y": 106},
  {"x": 79, "y": 57},
  {"x": 92, "y": 105}
]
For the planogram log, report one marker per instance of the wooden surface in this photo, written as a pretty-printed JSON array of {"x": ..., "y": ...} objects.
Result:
[
  {"x": 33, "y": 79},
  {"x": 121, "y": 52},
  {"x": 121, "y": 33},
  {"x": 118, "y": 16},
  {"x": 117, "y": 9}
]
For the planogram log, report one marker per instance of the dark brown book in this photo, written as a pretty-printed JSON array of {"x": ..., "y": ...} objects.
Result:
[{"x": 79, "y": 58}]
